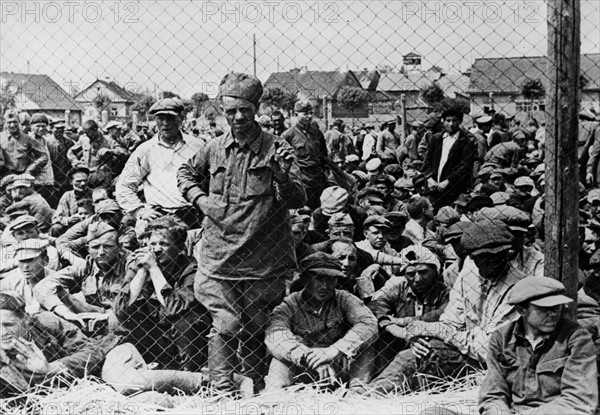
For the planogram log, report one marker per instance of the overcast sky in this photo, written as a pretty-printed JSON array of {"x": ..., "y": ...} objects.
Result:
[{"x": 186, "y": 46}]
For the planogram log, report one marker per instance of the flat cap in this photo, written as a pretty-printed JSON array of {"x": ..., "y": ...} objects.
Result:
[
  {"x": 539, "y": 291},
  {"x": 479, "y": 202},
  {"x": 333, "y": 199},
  {"x": 299, "y": 218},
  {"x": 419, "y": 179},
  {"x": 403, "y": 183},
  {"x": 351, "y": 158},
  {"x": 383, "y": 178},
  {"x": 112, "y": 124},
  {"x": 22, "y": 207},
  {"x": 12, "y": 301},
  {"x": 6, "y": 180},
  {"x": 21, "y": 222},
  {"x": 488, "y": 236},
  {"x": 396, "y": 219},
  {"x": 30, "y": 248},
  {"x": 418, "y": 254},
  {"x": 39, "y": 119},
  {"x": 60, "y": 123},
  {"x": 361, "y": 175},
  {"x": 371, "y": 193},
  {"x": 169, "y": 106},
  {"x": 455, "y": 231},
  {"x": 594, "y": 194},
  {"x": 107, "y": 206},
  {"x": 395, "y": 170},
  {"x": 500, "y": 198},
  {"x": 240, "y": 85},
  {"x": 447, "y": 215},
  {"x": 378, "y": 221},
  {"x": 321, "y": 263},
  {"x": 340, "y": 219},
  {"x": 303, "y": 106},
  {"x": 497, "y": 172},
  {"x": 485, "y": 119},
  {"x": 21, "y": 180},
  {"x": 516, "y": 219},
  {"x": 524, "y": 181},
  {"x": 416, "y": 124},
  {"x": 79, "y": 169},
  {"x": 373, "y": 165}
]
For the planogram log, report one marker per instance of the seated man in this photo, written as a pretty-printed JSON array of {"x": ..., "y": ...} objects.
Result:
[
  {"x": 156, "y": 302},
  {"x": 66, "y": 211},
  {"x": 320, "y": 331},
  {"x": 37, "y": 348},
  {"x": 21, "y": 190},
  {"x": 376, "y": 233},
  {"x": 477, "y": 307},
  {"x": 542, "y": 363},
  {"x": 418, "y": 295},
  {"x": 98, "y": 279}
]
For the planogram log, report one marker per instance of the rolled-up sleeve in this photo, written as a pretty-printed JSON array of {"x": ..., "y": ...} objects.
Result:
[
  {"x": 191, "y": 174},
  {"x": 48, "y": 291},
  {"x": 363, "y": 325},
  {"x": 129, "y": 181},
  {"x": 279, "y": 338}
]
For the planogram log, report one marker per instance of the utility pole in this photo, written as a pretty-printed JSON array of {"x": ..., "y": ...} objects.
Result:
[
  {"x": 254, "y": 52},
  {"x": 562, "y": 182}
]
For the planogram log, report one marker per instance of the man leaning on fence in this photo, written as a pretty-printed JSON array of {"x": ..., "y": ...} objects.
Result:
[{"x": 244, "y": 182}]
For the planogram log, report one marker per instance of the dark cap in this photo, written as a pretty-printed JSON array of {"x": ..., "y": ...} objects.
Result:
[
  {"x": 489, "y": 236},
  {"x": 371, "y": 193},
  {"x": 12, "y": 301},
  {"x": 321, "y": 263},
  {"x": 303, "y": 106},
  {"x": 539, "y": 291},
  {"x": 378, "y": 221},
  {"x": 516, "y": 219},
  {"x": 107, "y": 206},
  {"x": 447, "y": 215},
  {"x": 396, "y": 219},
  {"x": 479, "y": 202},
  {"x": 242, "y": 86},
  {"x": 39, "y": 119},
  {"x": 455, "y": 231},
  {"x": 462, "y": 200},
  {"x": 80, "y": 169},
  {"x": 170, "y": 106},
  {"x": 393, "y": 169}
]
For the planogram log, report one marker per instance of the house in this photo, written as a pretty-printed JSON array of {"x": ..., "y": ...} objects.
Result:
[
  {"x": 319, "y": 87},
  {"x": 38, "y": 93},
  {"x": 121, "y": 100},
  {"x": 504, "y": 77}
]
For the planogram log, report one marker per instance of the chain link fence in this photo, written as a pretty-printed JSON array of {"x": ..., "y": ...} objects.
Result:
[{"x": 172, "y": 251}]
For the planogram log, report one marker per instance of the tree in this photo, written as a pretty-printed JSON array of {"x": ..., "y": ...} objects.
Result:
[
  {"x": 352, "y": 98},
  {"x": 288, "y": 102},
  {"x": 533, "y": 89},
  {"x": 143, "y": 104},
  {"x": 198, "y": 100},
  {"x": 432, "y": 95},
  {"x": 102, "y": 102},
  {"x": 8, "y": 95},
  {"x": 275, "y": 97},
  {"x": 168, "y": 94}
]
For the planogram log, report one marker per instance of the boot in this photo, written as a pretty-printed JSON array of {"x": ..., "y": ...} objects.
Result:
[
  {"x": 169, "y": 381},
  {"x": 222, "y": 360}
]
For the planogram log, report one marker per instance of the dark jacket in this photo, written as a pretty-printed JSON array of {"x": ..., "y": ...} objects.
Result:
[
  {"x": 559, "y": 376},
  {"x": 458, "y": 169}
]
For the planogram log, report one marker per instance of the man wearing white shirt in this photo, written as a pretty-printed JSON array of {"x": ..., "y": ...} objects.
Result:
[
  {"x": 449, "y": 160},
  {"x": 153, "y": 166}
]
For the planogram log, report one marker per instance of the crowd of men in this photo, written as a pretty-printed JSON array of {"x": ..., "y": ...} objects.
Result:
[{"x": 271, "y": 254}]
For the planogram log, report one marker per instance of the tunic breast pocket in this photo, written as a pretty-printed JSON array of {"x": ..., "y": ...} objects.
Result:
[
  {"x": 217, "y": 179},
  {"x": 550, "y": 375},
  {"x": 20, "y": 151},
  {"x": 259, "y": 182},
  {"x": 301, "y": 150}
]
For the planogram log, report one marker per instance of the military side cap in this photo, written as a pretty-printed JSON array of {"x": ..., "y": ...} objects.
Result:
[
  {"x": 243, "y": 86},
  {"x": 98, "y": 229},
  {"x": 303, "y": 106},
  {"x": 516, "y": 219},
  {"x": 447, "y": 215},
  {"x": 490, "y": 236},
  {"x": 30, "y": 248},
  {"x": 169, "y": 106},
  {"x": 333, "y": 199},
  {"x": 539, "y": 291},
  {"x": 340, "y": 219},
  {"x": 321, "y": 263},
  {"x": 107, "y": 206},
  {"x": 21, "y": 222},
  {"x": 378, "y": 221},
  {"x": 373, "y": 164},
  {"x": 371, "y": 193},
  {"x": 39, "y": 119},
  {"x": 418, "y": 254}
]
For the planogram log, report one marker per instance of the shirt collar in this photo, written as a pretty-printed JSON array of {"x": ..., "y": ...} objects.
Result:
[
  {"x": 518, "y": 332},
  {"x": 254, "y": 143},
  {"x": 430, "y": 297},
  {"x": 454, "y": 136},
  {"x": 177, "y": 145}
]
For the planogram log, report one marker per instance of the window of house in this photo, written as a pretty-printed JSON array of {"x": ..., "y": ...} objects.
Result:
[{"x": 115, "y": 111}]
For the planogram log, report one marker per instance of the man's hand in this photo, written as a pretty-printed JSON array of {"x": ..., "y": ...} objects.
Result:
[
  {"x": 30, "y": 357},
  {"x": 326, "y": 372},
  {"x": 321, "y": 355},
  {"x": 420, "y": 348},
  {"x": 73, "y": 219},
  {"x": 442, "y": 185},
  {"x": 589, "y": 178},
  {"x": 146, "y": 213},
  {"x": 403, "y": 321},
  {"x": 145, "y": 258},
  {"x": 281, "y": 163}
]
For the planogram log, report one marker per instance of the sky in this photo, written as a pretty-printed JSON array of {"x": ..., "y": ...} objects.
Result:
[{"x": 186, "y": 47}]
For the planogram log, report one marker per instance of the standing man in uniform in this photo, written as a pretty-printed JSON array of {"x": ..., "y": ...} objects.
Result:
[
  {"x": 244, "y": 182},
  {"x": 309, "y": 144}
]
